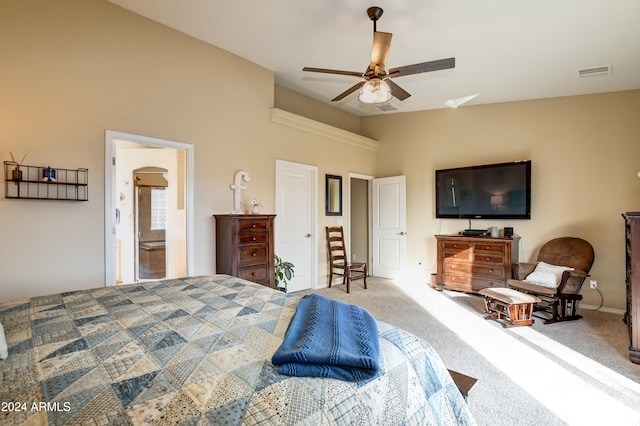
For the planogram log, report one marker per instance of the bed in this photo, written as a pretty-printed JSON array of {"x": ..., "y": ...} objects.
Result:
[{"x": 198, "y": 351}]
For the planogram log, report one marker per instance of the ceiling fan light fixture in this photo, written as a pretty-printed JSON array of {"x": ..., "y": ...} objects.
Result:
[{"x": 375, "y": 91}]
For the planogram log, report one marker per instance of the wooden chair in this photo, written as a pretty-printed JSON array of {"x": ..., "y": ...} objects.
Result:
[
  {"x": 339, "y": 261},
  {"x": 561, "y": 301}
]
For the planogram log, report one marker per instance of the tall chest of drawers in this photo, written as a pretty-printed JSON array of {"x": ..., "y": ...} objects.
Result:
[
  {"x": 632, "y": 315},
  {"x": 472, "y": 263},
  {"x": 244, "y": 247}
]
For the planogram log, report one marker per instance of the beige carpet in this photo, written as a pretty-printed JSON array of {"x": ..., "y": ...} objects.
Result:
[{"x": 574, "y": 372}]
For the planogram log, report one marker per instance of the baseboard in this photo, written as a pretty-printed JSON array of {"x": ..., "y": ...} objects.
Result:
[{"x": 602, "y": 309}]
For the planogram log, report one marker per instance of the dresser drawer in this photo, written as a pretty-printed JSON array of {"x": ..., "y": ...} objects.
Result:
[
  {"x": 252, "y": 238},
  {"x": 489, "y": 247},
  {"x": 469, "y": 282},
  {"x": 479, "y": 283},
  {"x": 250, "y": 255},
  {"x": 247, "y": 225},
  {"x": 498, "y": 259},
  {"x": 257, "y": 274},
  {"x": 474, "y": 269},
  {"x": 457, "y": 245},
  {"x": 457, "y": 255}
]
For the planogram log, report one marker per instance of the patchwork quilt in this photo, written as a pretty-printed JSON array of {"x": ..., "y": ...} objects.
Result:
[{"x": 197, "y": 351}]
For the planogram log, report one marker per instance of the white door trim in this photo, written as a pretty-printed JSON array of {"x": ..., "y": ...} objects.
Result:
[
  {"x": 110, "y": 196},
  {"x": 314, "y": 212}
]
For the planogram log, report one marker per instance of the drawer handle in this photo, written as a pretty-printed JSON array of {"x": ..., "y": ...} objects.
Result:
[
  {"x": 254, "y": 254},
  {"x": 455, "y": 255},
  {"x": 488, "y": 258},
  {"x": 452, "y": 267},
  {"x": 253, "y": 238},
  {"x": 253, "y": 225},
  {"x": 253, "y": 274},
  {"x": 490, "y": 270},
  {"x": 488, "y": 248}
]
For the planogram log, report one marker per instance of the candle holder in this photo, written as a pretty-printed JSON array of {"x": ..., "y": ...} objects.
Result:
[{"x": 16, "y": 174}]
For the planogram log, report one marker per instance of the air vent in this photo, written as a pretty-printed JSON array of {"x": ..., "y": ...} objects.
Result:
[
  {"x": 387, "y": 107},
  {"x": 590, "y": 72}
]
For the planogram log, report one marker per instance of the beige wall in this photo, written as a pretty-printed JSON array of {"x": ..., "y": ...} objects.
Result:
[
  {"x": 71, "y": 70},
  {"x": 74, "y": 68},
  {"x": 585, "y": 153},
  {"x": 290, "y": 100}
]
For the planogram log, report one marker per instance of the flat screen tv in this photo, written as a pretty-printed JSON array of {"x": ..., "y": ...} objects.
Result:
[{"x": 492, "y": 191}]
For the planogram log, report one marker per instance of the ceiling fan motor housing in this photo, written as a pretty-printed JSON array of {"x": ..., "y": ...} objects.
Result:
[{"x": 374, "y": 13}]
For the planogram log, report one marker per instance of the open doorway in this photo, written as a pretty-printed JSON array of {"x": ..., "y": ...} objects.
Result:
[
  {"x": 151, "y": 217},
  {"x": 359, "y": 240},
  {"x": 148, "y": 184}
]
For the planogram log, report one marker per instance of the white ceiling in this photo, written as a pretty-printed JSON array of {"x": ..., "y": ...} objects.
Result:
[{"x": 505, "y": 50}]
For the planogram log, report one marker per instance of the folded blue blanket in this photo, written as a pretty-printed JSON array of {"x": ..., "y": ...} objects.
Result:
[{"x": 328, "y": 338}]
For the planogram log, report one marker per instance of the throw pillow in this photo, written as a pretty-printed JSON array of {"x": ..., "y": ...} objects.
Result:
[{"x": 546, "y": 275}]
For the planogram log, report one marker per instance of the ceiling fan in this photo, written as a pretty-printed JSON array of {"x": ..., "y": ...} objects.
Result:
[{"x": 377, "y": 86}]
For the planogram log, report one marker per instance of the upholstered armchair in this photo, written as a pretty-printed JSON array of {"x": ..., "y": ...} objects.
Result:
[{"x": 562, "y": 266}]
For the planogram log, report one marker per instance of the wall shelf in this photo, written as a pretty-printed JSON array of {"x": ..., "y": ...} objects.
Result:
[{"x": 45, "y": 183}]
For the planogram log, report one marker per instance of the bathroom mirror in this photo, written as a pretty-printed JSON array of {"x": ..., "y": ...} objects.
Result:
[{"x": 333, "y": 195}]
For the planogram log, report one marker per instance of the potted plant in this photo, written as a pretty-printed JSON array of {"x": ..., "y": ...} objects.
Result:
[{"x": 283, "y": 273}]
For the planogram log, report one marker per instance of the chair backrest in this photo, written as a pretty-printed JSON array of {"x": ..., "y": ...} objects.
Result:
[
  {"x": 568, "y": 251},
  {"x": 335, "y": 244}
]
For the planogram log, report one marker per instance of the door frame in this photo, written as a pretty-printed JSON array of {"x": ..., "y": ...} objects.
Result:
[
  {"x": 111, "y": 136},
  {"x": 314, "y": 212}
]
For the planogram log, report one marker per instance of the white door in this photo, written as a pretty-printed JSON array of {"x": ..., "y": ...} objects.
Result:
[
  {"x": 296, "y": 221},
  {"x": 389, "y": 223}
]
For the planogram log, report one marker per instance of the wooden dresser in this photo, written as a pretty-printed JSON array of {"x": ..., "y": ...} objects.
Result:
[
  {"x": 632, "y": 315},
  {"x": 244, "y": 247},
  {"x": 472, "y": 263}
]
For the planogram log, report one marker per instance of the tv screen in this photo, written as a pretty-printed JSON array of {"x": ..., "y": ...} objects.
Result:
[{"x": 492, "y": 191}]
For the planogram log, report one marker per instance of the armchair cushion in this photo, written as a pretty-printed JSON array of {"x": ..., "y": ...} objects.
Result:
[
  {"x": 532, "y": 288},
  {"x": 547, "y": 275},
  {"x": 521, "y": 270}
]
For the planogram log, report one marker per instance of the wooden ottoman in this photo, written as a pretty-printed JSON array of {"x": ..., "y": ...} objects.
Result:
[{"x": 510, "y": 307}]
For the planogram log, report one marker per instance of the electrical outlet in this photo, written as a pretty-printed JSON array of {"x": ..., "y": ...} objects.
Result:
[
  {"x": 353, "y": 257},
  {"x": 593, "y": 284}
]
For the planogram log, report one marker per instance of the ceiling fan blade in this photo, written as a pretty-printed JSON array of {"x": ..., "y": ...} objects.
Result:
[
  {"x": 326, "y": 71},
  {"x": 380, "y": 51},
  {"x": 349, "y": 91},
  {"x": 396, "y": 90},
  {"x": 440, "y": 64}
]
